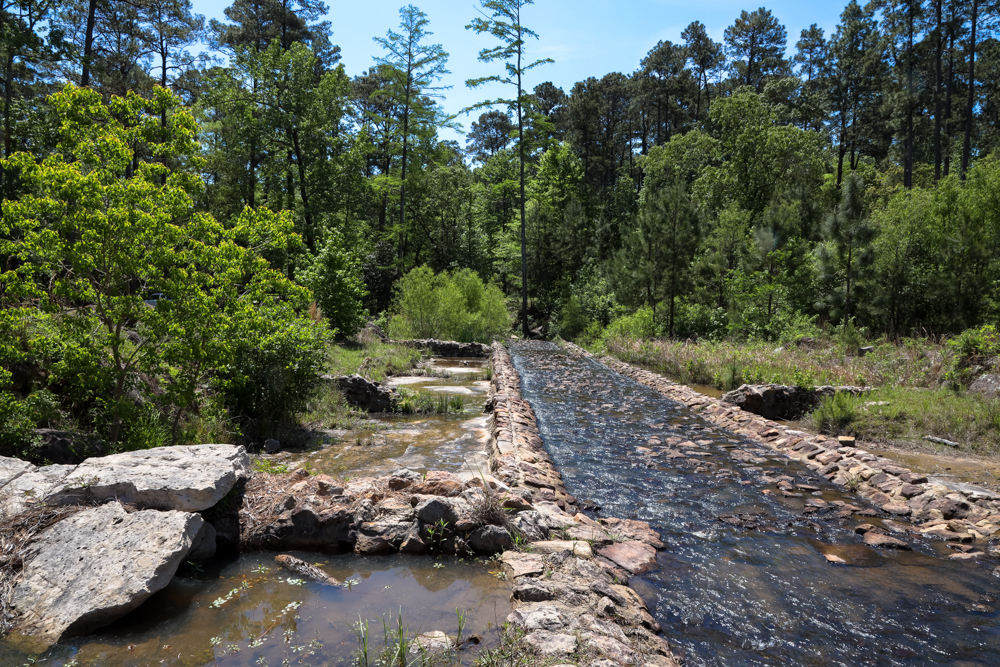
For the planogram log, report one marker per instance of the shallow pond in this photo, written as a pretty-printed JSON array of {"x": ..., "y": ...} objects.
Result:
[
  {"x": 454, "y": 441},
  {"x": 256, "y": 614},
  {"x": 744, "y": 579}
]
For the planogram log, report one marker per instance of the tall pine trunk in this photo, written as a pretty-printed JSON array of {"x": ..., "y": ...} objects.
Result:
[{"x": 970, "y": 107}]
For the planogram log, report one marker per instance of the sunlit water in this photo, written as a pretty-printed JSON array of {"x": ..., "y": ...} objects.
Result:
[
  {"x": 730, "y": 595},
  {"x": 257, "y": 614},
  {"x": 454, "y": 441}
]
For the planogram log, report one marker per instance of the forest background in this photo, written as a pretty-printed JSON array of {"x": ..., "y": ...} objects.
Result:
[{"x": 184, "y": 232}]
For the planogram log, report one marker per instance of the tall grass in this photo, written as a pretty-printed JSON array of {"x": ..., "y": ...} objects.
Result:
[{"x": 725, "y": 365}]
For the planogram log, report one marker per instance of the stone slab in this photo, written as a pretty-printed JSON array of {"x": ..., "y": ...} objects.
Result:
[
  {"x": 97, "y": 565},
  {"x": 189, "y": 479}
]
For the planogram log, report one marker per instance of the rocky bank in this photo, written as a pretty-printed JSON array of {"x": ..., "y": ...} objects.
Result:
[{"x": 918, "y": 508}]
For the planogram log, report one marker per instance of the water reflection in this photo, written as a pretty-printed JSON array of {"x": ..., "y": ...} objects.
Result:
[
  {"x": 255, "y": 613},
  {"x": 745, "y": 579}
]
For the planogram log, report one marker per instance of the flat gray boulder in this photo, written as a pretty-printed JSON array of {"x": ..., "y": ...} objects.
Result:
[
  {"x": 97, "y": 565},
  {"x": 11, "y": 469},
  {"x": 190, "y": 479},
  {"x": 31, "y": 487}
]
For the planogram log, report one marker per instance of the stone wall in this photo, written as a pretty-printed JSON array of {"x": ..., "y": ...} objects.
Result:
[
  {"x": 570, "y": 595},
  {"x": 447, "y": 348},
  {"x": 963, "y": 515},
  {"x": 516, "y": 450}
]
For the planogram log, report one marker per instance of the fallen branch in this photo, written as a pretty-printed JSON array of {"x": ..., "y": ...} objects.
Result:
[{"x": 941, "y": 441}]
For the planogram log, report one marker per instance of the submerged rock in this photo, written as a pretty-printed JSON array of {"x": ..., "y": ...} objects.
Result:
[
  {"x": 305, "y": 570},
  {"x": 97, "y": 565}
]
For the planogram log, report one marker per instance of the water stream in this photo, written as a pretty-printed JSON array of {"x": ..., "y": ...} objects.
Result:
[{"x": 744, "y": 579}]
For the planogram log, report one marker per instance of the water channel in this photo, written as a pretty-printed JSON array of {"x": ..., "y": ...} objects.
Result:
[{"x": 744, "y": 579}]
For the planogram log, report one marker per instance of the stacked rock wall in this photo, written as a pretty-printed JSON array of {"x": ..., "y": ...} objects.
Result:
[
  {"x": 516, "y": 448},
  {"x": 938, "y": 511}
]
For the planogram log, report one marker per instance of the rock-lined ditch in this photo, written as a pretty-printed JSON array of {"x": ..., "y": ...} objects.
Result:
[
  {"x": 142, "y": 514},
  {"x": 969, "y": 517}
]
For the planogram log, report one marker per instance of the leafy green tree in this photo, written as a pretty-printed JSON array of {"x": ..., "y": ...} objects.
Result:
[
  {"x": 502, "y": 20},
  {"x": 453, "y": 306},
  {"x": 101, "y": 231},
  {"x": 336, "y": 282}
]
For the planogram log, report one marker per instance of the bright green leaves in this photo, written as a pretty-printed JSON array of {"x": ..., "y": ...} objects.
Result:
[{"x": 107, "y": 236}]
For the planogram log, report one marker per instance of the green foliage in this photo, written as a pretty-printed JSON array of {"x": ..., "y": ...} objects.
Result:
[
  {"x": 448, "y": 306},
  {"x": 573, "y": 321},
  {"x": 275, "y": 367},
  {"x": 637, "y": 326},
  {"x": 971, "y": 352},
  {"x": 335, "y": 281},
  {"x": 104, "y": 224},
  {"x": 835, "y": 414}
]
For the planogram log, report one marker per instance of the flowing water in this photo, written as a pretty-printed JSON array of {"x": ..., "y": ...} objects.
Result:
[
  {"x": 254, "y": 614},
  {"x": 453, "y": 441},
  {"x": 744, "y": 579}
]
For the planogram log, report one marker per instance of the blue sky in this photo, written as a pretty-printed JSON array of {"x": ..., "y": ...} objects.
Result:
[{"x": 584, "y": 37}]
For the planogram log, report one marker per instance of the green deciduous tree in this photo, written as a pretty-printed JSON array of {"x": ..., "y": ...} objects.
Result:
[{"x": 100, "y": 231}]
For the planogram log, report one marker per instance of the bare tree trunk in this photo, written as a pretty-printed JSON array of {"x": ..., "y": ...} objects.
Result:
[
  {"x": 970, "y": 107},
  {"x": 938, "y": 55},
  {"x": 88, "y": 44}
]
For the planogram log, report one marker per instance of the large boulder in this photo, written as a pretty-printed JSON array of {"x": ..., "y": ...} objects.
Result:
[
  {"x": 778, "y": 401},
  {"x": 97, "y": 565},
  {"x": 987, "y": 386},
  {"x": 190, "y": 479},
  {"x": 359, "y": 392}
]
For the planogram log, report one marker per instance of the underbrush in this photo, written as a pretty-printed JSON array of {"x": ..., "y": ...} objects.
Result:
[
  {"x": 910, "y": 413},
  {"x": 726, "y": 365},
  {"x": 412, "y": 402},
  {"x": 372, "y": 359}
]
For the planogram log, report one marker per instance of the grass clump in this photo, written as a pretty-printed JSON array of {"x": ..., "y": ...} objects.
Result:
[
  {"x": 908, "y": 413},
  {"x": 835, "y": 414}
]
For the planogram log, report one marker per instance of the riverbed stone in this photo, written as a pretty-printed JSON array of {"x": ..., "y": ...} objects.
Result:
[
  {"x": 97, "y": 565},
  {"x": 518, "y": 564},
  {"x": 186, "y": 478},
  {"x": 551, "y": 643},
  {"x": 439, "y": 483},
  {"x": 874, "y": 539},
  {"x": 574, "y": 547},
  {"x": 899, "y": 509},
  {"x": 489, "y": 540},
  {"x": 613, "y": 649},
  {"x": 634, "y": 557},
  {"x": 433, "y": 510}
]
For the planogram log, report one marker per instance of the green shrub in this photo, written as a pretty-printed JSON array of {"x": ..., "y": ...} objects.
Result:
[
  {"x": 274, "y": 368},
  {"x": 835, "y": 414},
  {"x": 448, "y": 306},
  {"x": 970, "y": 353},
  {"x": 335, "y": 281},
  {"x": 573, "y": 321},
  {"x": 637, "y": 326}
]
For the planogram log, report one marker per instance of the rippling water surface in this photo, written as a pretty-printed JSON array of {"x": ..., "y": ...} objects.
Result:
[{"x": 759, "y": 592}]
